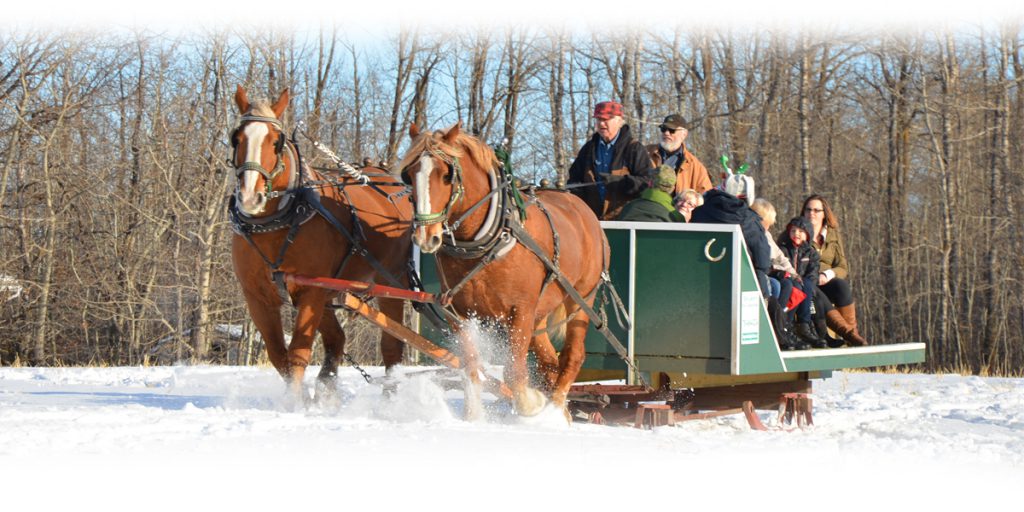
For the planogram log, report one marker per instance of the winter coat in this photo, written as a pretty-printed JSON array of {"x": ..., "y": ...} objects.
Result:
[
  {"x": 831, "y": 252},
  {"x": 653, "y": 205},
  {"x": 631, "y": 172},
  {"x": 780, "y": 263},
  {"x": 690, "y": 172},
  {"x": 722, "y": 208},
  {"x": 804, "y": 258}
]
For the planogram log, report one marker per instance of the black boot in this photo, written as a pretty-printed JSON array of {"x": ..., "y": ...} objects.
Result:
[
  {"x": 819, "y": 325},
  {"x": 804, "y": 332},
  {"x": 789, "y": 341},
  {"x": 778, "y": 317}
]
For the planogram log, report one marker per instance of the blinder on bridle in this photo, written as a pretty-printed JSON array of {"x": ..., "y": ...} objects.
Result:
[{"x": 268, "y": 177}]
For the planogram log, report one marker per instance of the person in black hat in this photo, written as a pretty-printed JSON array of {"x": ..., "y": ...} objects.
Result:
[
  {"x": 671, "y": 151},
  {"x": 612, "y": 168}
]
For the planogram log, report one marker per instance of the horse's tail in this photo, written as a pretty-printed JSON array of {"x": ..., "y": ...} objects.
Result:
[{"x": 557, "y": 319}]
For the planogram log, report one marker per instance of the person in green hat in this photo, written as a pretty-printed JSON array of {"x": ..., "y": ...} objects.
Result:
[{"x": 655, "y": 203}]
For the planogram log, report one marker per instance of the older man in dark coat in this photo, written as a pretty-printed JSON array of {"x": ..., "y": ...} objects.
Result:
[{"x": 616, "y": 165}]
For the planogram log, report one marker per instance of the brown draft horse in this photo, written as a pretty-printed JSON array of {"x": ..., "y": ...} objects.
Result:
[
  {"x": 319, "y": 248},
  {"x": 451, "y": 173}
]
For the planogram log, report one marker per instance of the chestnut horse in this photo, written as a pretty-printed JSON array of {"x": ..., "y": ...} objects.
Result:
[
  {"x": 491, "y": 259},
  {"x": 292, "y": 219}
]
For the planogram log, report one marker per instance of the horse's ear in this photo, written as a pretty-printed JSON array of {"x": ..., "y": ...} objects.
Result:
[
  {"x": 453, "y": 133},
  {"x": 414, "y": 131},
  {"x": 281, "y": 104},
  {"x": 241, "y": 100}
]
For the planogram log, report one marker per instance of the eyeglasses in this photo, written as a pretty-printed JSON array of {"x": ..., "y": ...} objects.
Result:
[
  {"x": 813, "y": 210},
  {"x": 666, "y": 129}
]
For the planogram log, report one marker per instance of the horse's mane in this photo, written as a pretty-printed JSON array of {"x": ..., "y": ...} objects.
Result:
[
  {"x": 261, "y": 107},
  {"x": 482, "y": 155}
]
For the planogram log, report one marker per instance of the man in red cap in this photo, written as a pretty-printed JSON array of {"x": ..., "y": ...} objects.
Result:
[{"x": 617, "y": 166}]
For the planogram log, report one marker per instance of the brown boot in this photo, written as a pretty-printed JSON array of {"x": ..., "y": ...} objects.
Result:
[
  {"x": 837, "y": 323},
  {"x": 850, "y": 315}
]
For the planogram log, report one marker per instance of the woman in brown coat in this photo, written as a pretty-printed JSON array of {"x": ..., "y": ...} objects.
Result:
[{"x": 833, "y": 271}]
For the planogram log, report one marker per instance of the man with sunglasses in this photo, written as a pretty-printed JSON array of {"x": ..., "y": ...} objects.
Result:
[
  {"x": 671, "y": 151},
  {"x": 612, "y": 168}
]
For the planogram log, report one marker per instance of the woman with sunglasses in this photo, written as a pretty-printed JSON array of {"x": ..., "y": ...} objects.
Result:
[{"x": 833, "y": 272}]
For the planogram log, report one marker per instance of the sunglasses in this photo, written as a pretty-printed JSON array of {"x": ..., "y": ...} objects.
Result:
[
  {"x": 814, "y": 210},
  {"x": 666, "y": 129}
]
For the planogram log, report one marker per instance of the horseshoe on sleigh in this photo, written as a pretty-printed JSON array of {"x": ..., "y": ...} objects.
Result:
[{"x": 707, "y": 252}]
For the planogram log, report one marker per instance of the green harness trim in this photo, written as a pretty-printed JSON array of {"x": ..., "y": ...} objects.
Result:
[{"x": 505, "y": 161}]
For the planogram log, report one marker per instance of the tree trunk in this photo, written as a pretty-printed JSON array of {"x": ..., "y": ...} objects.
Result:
[
  {"x": 556, "y": 98},
  {"x": 802, "y": 114},
  {"x": 408, "y": 48}
]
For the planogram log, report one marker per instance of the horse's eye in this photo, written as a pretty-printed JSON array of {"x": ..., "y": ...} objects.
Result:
[
  {"x": 406, "y": 179},
  {"x": 448, "y": 177}
]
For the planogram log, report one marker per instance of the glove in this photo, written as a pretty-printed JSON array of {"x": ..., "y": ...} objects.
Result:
[{"x": 626, "y": 185}]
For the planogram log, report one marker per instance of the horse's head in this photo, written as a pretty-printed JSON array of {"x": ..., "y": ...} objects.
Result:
[
  {"x": 432, "y": 168},
  {"x": 258, "y": 147}
]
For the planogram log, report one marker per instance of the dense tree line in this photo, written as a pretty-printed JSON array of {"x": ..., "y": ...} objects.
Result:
[{"x": 113, "y": 179}]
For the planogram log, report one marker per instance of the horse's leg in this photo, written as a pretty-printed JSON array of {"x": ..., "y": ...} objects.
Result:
[
  {"x": 547, "y": 358},
  {"x": 391, "y": 347},
  {"x": 527, "y": 401},
  {"x": 267, "y": 318},
  {"x": 471, "y": 364},
  {"x": 571, "y": 358},
  {"x": 310, "y": 304},
  {"x": 334, "y": 347}
]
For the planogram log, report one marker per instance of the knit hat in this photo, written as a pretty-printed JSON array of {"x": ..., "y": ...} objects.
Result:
[
  {"x": 739, "y": 185},
  {"x": 607, "y": 110},
  {"x": 665, "y": 180}
]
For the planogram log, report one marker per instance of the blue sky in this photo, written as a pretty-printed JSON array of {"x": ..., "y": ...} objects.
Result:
[{"x": 386, "y": 15}]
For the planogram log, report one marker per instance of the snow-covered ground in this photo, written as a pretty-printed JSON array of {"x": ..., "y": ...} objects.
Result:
[{"x": 166, "y": 438}]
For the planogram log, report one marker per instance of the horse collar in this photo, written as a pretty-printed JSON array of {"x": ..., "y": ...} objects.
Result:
[{"x": 498, "y": 238}]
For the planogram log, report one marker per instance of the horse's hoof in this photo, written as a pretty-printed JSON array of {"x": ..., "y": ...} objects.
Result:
[
  {"x": 530, "y": 402},
  {"x": 474, "y": 409},
  {"x": 326, "y": 395},
  {"x": 474, "y": 404},
  {"x": 295, "y": 400},
  {"x": 474, "y": 414},
  {"x": 389, "y": 389}
]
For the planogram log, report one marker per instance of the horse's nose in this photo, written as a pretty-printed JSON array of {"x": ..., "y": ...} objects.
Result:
[{"x": 429, "y": 243}]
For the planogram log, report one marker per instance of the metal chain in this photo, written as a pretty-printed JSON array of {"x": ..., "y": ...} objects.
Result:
[
  {"x": 347, "y": 169},
  {"x": 352, "y": 362}
]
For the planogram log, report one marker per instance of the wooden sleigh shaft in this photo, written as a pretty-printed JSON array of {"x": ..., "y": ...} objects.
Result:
[{"x": 353, "y": 303}]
